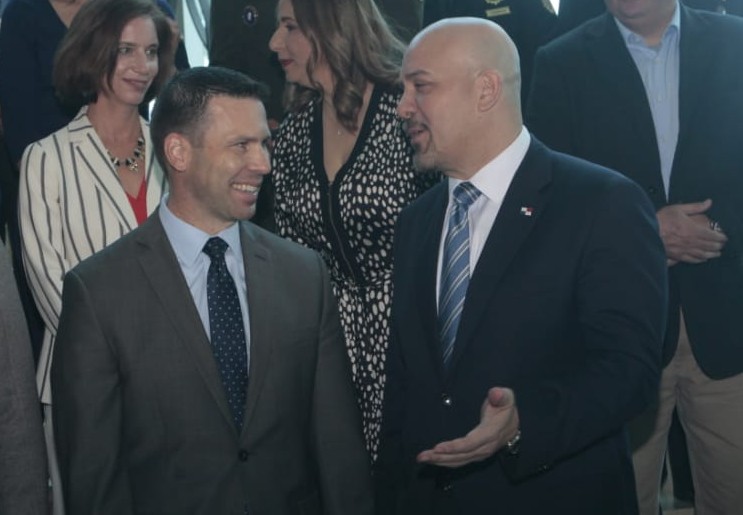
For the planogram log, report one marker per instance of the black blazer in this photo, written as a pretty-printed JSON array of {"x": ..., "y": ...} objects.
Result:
[
  {"x": 566, "y": 307},
  {"x": 588, "y": 100}
]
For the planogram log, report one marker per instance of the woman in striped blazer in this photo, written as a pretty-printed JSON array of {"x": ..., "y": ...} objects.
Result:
[{"x": 95, "y": 179}]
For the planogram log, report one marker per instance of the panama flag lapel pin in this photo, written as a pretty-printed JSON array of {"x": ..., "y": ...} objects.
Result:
[{"x": 527, "y": 211}]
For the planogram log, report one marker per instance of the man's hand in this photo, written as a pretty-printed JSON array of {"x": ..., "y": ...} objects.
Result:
[
  {"x": 688, "y": 234},
  {"x": 499, "y": 422}
]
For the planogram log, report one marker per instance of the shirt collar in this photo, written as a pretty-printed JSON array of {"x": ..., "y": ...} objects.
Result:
[
  {"x": 188, "y": 241},
  {"x": 494, "y": 179}
]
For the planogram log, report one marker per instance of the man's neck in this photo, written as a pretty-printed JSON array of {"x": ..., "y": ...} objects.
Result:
[{"x": 652, "y": 28}]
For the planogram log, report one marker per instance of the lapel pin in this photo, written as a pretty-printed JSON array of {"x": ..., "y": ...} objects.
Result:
[
  {"x": 527, "y": 211},
  {"x": 250, "y": 15}
]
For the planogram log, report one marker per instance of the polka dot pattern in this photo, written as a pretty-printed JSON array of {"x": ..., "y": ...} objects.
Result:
[
  {"x": 350, "y": 222},
  {"x": 227, "y": 329}
]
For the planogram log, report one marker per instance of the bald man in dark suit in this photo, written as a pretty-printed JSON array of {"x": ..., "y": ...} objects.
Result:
[{"x": 528, "y": 309}]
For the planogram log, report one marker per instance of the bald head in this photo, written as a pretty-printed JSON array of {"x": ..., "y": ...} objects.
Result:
[
  {"x": 462, "y": 81},
  {"x": 474, "y": 44}
]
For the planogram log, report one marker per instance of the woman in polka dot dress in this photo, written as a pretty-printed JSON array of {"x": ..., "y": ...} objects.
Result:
[{"x": 343, "y": 169}]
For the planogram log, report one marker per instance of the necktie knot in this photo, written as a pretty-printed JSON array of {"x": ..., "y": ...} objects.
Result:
[
  {"x": 465, "y": 194},
  {"x": 215, "y": 248}
]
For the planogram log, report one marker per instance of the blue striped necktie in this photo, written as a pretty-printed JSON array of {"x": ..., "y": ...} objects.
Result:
[
  {"x": 455, "y": 267},
  {"x": 227, "y": 329}
]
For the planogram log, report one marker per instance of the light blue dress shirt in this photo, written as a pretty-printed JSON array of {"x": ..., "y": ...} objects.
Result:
[
  {"x": 188, "y": 243},
  {"x": 659, "y": 69}
]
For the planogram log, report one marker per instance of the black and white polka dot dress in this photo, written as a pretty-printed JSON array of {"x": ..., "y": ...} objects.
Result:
[{"x": 350, "y": 222}]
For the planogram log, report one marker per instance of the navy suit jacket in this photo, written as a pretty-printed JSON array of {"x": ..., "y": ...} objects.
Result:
[
  {"x": 566, "y": 306},
  {"x": 588, "y": 100}
]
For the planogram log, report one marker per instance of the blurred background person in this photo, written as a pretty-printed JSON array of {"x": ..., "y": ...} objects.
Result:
[
  {"x": 30, "y": 34},
  {"x": 529, "y": 23},
  {"x": 95, "y": 179},
  {"x": 239, "y": 35},
  {"x": 343, "y": 169},
  {"x": 23, "y": 487},
  {"x": 646, "y": 80},
  {"x": 240, "y": 31}
]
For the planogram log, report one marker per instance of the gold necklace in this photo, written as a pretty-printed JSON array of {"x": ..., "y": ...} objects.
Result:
[{"x": 131, "y": 162}]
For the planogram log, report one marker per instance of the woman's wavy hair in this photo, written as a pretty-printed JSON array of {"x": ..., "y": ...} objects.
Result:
[
  {"x": 88, "y": 52},
  {"x": 358, "y": 45}
]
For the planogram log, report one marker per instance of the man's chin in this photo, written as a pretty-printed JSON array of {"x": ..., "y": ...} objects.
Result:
[{"x": 424, "y": 163}]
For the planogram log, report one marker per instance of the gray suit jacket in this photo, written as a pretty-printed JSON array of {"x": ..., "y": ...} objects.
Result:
[
  {"x": 141, "y": 420},
  {"x": 22, "y": 455}
]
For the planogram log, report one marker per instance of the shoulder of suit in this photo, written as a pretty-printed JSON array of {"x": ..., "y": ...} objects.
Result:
[
  {"x": 428, "y": 199},
  {"x": 576, "y": 170},
  {"x": 276, "y": 244},
  {"x": 60, "y": 137},
  {"x": 567, "y": 42},
  {"x": 20, "y": 10},
  {"x": 110, "y": 262},
  {"x": 714, "y": 21}
]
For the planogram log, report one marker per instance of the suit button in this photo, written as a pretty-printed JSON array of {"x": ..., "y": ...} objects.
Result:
[
  {"x": 652, "y": 190},
  {"x": 447, "y": 400},
  {"x": 242, "y": 455},
  {"x": 447, "y": 487}
]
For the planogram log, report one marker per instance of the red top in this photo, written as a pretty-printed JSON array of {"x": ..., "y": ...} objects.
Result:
[{"x": 139, "y": 204}]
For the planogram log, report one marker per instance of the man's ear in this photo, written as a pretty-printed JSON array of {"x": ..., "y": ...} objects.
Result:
[
  {"x": 490, "y": 87},
  {"x": 177, "y": 151}
]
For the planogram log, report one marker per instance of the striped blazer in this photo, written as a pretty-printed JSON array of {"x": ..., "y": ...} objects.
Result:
[{"x": 71, "y": 205}]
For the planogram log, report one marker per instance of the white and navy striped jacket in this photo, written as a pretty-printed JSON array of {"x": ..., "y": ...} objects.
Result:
[{"x": 71, "y": 205}]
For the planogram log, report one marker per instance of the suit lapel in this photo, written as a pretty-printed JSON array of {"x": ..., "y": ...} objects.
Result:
[
  {"x": 528, "y": 193},
  {"x": 619, "y": 75},
  {"x": 259, "y": 275},
  {"x": 91, "y": 158},
  {"x": 426, "y": 278},
  {"x": 162, "y": 270},
  {"x": 695, "y": 56}
]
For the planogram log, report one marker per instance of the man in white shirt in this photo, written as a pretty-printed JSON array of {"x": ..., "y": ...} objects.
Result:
[{"x": 653, "y": 90}]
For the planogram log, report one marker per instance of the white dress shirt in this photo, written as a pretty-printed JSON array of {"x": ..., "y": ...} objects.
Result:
[{"x": 493, "y": 181}]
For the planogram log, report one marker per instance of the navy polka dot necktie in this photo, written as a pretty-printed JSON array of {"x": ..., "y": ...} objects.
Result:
[{"x": 227, "y": 329}]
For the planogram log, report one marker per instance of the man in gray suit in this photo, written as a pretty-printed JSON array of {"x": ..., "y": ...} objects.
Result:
[
  {"x": 22, "y": 456},
  {"x": 199, "y": 364}
]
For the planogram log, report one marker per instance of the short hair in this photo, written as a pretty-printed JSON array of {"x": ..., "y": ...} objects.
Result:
[
  {"x": 182, "y": 104},
  {"x": 88, "y": 52},
  {"x": 358, "y": 45}
]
